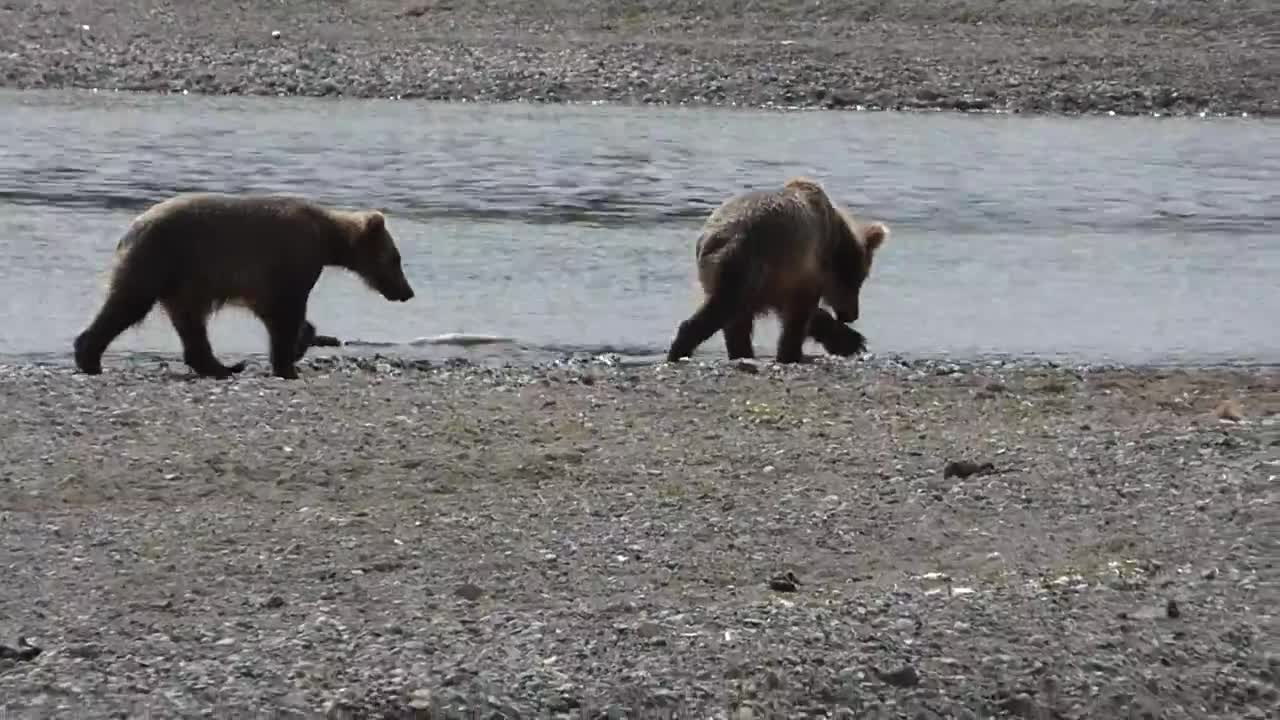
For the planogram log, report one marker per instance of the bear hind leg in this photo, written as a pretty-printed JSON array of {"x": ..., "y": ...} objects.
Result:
[
  {"x": 122, "y": 309},
  {"x": 727, "y": 301},
  {"x": 834, "y": 336},
  {"x": 707, "y": 320},
  {"x": 192, "y": 327}
]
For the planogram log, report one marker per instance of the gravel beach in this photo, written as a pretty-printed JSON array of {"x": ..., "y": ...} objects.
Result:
[
  {"x": 874, "y": 538},
  {"x": 1161, "y": 56},
  {"x": 391, "y": 539}
]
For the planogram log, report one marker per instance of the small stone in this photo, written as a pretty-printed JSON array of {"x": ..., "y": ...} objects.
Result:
[
  {"x": 1020, "y": 705},
  {"x": 1171, "y": 609},
  {"x": 469, "y": 592},
  {"x": 87, "y": 651},
  {"x": 420, "y": 699},
  {"x": 905, "y": 676},
  {"x": 1229, "y": 410},
  {"x": 611, "y": 712},
  {"x": 273, "y": 602},
  {"x": 786, "y": 582},
  {"x": 340, "y": 710},
  {"x": 648, "y": 629},
  {"x": 964, "y": 468}
]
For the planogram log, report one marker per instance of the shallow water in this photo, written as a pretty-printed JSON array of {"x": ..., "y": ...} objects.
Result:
[{"x": 572, "y": 228}]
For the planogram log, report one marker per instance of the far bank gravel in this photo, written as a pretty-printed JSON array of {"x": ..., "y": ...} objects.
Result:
[
  {"x": 1166, "y": 57},
  {"x": 386, "y": 539}
]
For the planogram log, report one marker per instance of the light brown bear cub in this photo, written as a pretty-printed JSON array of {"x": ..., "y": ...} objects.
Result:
[
  {"x": 781, "y": 251},
  {"x": 196, "y": 253}
]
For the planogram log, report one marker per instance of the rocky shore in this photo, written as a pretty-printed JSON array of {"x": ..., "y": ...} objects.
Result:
[
  {"x": 847, "y": 539},
  {"x": 1091, "y": 56}
]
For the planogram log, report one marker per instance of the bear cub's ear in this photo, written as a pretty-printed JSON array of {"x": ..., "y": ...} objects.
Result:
[
  {"x": 874, "y": 234},
  {"x": 374, "y": 222}
]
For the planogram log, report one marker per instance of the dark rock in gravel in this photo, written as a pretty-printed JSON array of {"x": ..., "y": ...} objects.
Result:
[
  {"x": 25, "y": 651},
  {"x": 903, "y": 677},
  {"x": 1023, "y": 705},
  {"x": 786, "y": 582},
  {"x": 469, "y": 592},
  {"x": 965, "y": 468}
]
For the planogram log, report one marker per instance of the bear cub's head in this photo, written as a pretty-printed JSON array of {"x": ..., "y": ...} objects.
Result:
[
  {"x": 377, "y": 259},
  {"x": 855, "y": 246}
]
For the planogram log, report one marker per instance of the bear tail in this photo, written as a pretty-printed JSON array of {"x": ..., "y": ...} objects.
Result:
[{"x": 736, "y": 273}]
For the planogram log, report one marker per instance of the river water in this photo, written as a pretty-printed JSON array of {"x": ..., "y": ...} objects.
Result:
[{"x": 571, "y": 229}]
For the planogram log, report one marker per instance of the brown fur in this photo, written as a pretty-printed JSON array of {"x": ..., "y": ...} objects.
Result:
[
  {"x": 781, "y": 251},
  {"x": 194, "y": 254}
]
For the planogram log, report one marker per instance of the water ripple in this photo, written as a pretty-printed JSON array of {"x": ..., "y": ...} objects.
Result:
[{"x": 570, "y": 229}]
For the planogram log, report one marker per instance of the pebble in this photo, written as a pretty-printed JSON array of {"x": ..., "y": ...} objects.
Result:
[
  {"x": 786, "y": 582},
  {"x": 965, "y": 468},
  {"x": 421, "y": 699},
  {"x": 649, "y": 629},
  {"x": 905, "y": 676},
  {"x": 1229, "y": 410},
  {"x": 469, "y": 591}
]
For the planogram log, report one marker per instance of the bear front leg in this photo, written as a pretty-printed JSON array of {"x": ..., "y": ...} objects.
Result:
[
  {"x": 795, "y": 316},
  {"x": 309, "y": 338},
  {"x": 834, "y": 336},
  {"x": 306, "y": 337},
  {"x": 285, "y": 327},
  {"x": 197, "y": 352},
  {"x": 737, "y": 337}
]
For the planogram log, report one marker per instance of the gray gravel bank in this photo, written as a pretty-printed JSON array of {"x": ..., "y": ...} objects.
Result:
[
  {"x": 379, "y": 539},
  {"x": 1169, "y": 57}
]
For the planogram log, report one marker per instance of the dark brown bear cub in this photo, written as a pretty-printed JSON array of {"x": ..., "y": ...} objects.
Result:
[
  {"x": 195, "y": 253},
  {"x": 781, "y": 251}
]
